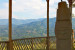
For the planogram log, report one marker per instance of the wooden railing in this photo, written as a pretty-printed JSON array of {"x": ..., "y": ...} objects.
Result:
[
  {"x": 33, "y": 43},
  {"x": 4, "y": 45},
  {"x": 38, "y": 43}
]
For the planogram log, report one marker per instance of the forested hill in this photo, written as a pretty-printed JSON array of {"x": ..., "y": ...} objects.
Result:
[
  {"x": 18, "y": 21},
  {"x": 34, "y": 28}
]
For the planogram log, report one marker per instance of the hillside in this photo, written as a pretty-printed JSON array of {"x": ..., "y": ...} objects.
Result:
[
  {"x": 17, "y": 21},
  {"x": 36, "y": 28}
]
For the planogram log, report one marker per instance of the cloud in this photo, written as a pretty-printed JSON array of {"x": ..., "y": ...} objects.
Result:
[
  {"x": 22, "y": 5},
  {"x": 6, "y": 5},
  {"x": 73, "y": 11},
  {"x": 3, "y": 13},
  {"x": 23, "y": 9},
  {"x": 37, "y": 8},
  {"x": 15, "y": 16}
]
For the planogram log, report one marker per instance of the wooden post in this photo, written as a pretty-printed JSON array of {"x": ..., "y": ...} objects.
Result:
[
  {"x": 47, "y": 25},
  {"x": 10, "y": 25},
  {"x": 70, "y": 6},
  {"x": 8, "y": 46},
  {"x": 32, "y": 44},
  {"x": 72, "y": 38}
]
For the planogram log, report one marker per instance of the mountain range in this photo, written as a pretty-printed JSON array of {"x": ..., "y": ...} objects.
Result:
[{"x": 28, "y": 28}]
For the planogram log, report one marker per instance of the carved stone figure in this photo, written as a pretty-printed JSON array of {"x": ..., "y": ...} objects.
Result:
[{"x": 63, "y": 27}]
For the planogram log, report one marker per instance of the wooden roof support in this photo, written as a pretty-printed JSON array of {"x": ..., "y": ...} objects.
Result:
[
  {"x": 47, "y": 25},
  {"x": 10, "y": 25},
  {"x": 70, "y": 5}
]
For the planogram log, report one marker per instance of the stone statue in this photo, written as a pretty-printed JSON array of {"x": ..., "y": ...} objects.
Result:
[{"x": 63, "y": 27}]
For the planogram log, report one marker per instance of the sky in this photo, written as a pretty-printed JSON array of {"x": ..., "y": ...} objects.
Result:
[{"x": 29, "y": 9}]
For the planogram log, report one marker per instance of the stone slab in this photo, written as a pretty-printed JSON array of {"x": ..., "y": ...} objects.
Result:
[
  {"x": 63, "y": 27},
  {"x": 64, "y": 24},
  {"x": 63, "y": 44}
]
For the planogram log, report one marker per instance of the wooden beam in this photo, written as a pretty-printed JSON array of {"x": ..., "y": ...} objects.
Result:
[
  {"x": 47, "y": 25},
  {"x": 10, "y": 25},
  {"x": 70, "y": 6}
]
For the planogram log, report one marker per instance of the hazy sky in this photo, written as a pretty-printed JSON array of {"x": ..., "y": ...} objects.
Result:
[{"x": 28, "y": 9}]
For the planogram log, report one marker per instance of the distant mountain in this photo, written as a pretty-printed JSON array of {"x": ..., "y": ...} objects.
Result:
[
  {"x": 36, "y": 28},
  {"x": 3, "y": 21},
  {"x": 18, "y": 21}
]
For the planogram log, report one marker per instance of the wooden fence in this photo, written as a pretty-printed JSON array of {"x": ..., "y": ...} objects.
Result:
[{"x": 38, "y": 43}]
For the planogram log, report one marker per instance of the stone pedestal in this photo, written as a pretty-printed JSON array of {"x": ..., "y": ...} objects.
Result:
[{"x": 63, "y": 27}]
